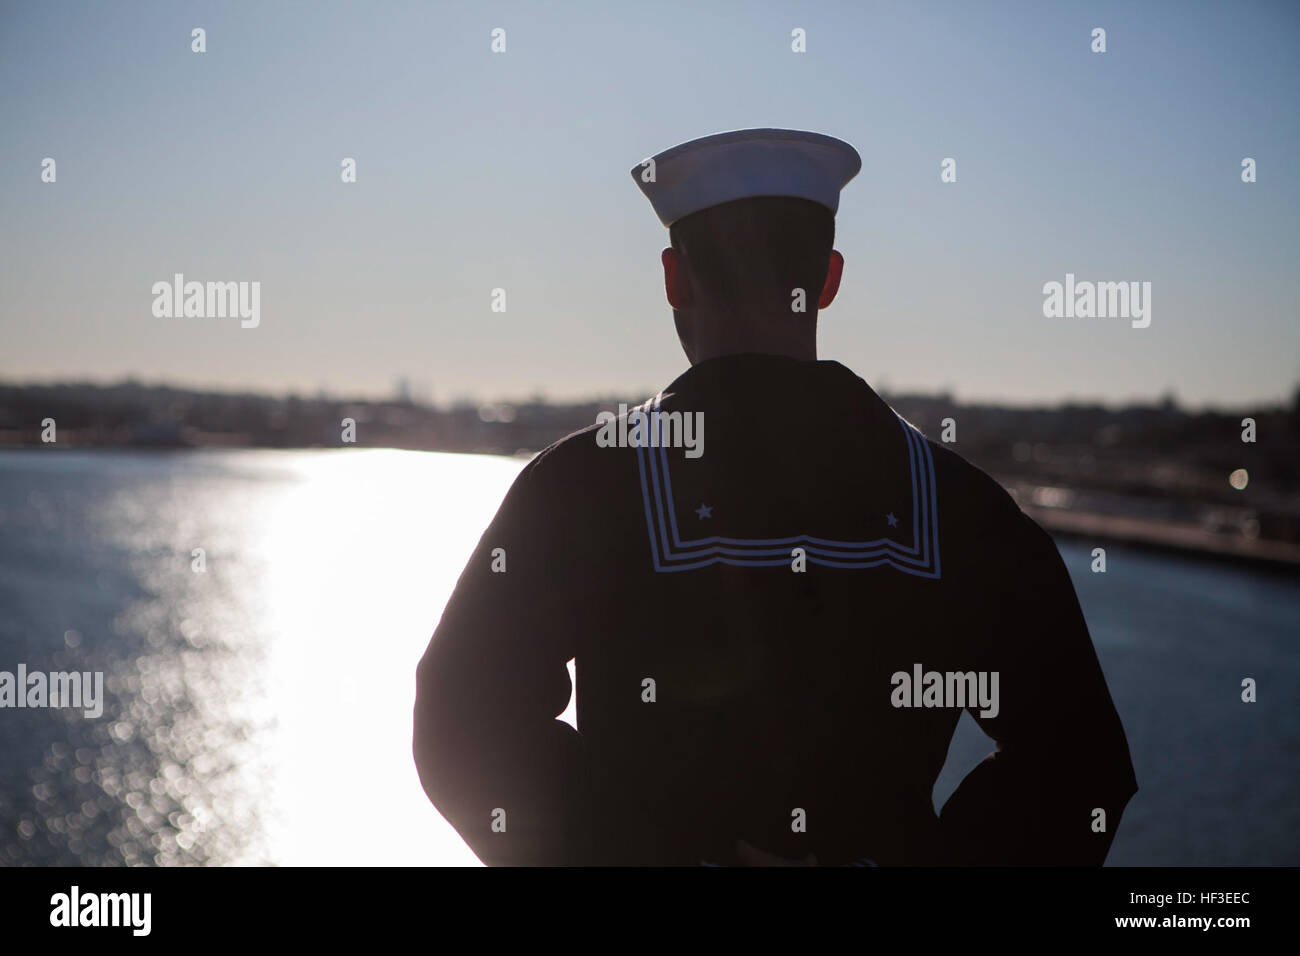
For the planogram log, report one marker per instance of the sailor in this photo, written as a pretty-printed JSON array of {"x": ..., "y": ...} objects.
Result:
[{"x": 743, "y": 617}]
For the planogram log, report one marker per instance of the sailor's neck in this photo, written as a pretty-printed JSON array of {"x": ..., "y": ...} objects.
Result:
[
  {"x": 741, "y": 373},
  {"x": 746, "y": 362},
  {"x": 799, "y": 353}
]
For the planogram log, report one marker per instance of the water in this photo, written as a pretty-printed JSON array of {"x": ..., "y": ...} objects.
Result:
[{"x": 259, "y": 711}]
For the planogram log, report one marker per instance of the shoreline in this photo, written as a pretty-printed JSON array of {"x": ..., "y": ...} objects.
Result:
[
  {"x": 1168, "y": 537},
  {"x": 1171, "y": 537}
]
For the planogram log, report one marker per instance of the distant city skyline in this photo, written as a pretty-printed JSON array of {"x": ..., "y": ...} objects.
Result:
[
  {"x": 416, "y": 393},
  {"x": 479, "y": 170}
]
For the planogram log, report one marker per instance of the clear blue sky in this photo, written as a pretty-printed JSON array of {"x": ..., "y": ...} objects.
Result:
[{"x": 478, "y": 170}]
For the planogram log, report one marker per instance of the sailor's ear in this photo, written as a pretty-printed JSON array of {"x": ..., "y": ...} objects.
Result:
[
  {"x": 677, "y": 283},
  {"x": 834, "y": 272}
]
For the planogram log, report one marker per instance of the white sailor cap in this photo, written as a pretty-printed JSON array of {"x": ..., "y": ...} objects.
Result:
[{"x": 746, "y": 163}]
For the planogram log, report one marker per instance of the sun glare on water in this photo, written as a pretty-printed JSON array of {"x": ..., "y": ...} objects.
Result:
[{"x": 362, "y": 552}]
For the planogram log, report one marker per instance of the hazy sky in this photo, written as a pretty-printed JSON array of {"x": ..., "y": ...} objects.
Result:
[{"x": 479, "y": 170}]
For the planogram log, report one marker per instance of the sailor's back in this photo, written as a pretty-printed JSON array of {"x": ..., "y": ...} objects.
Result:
[
  {"x": 734, "y": 663},
  {"x": 779, "y": 595}
]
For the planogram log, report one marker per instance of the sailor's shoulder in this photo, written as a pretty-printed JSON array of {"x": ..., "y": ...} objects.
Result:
[
  {"x": 965, "y": 487},
  {"x": 575, "y": 457},
  {"x": 953, "y": 469}
]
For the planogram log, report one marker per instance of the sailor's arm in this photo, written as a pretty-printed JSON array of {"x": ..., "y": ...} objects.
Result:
[
  {"x": 491, "y": 755},
  {"x": 1062, "y": 754}
]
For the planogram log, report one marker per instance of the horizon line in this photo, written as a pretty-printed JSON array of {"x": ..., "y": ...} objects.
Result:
[{"x": 1167, "y": 398}]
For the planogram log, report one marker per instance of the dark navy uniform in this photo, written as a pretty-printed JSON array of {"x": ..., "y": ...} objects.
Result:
[{"x": 773, "y": 699}]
